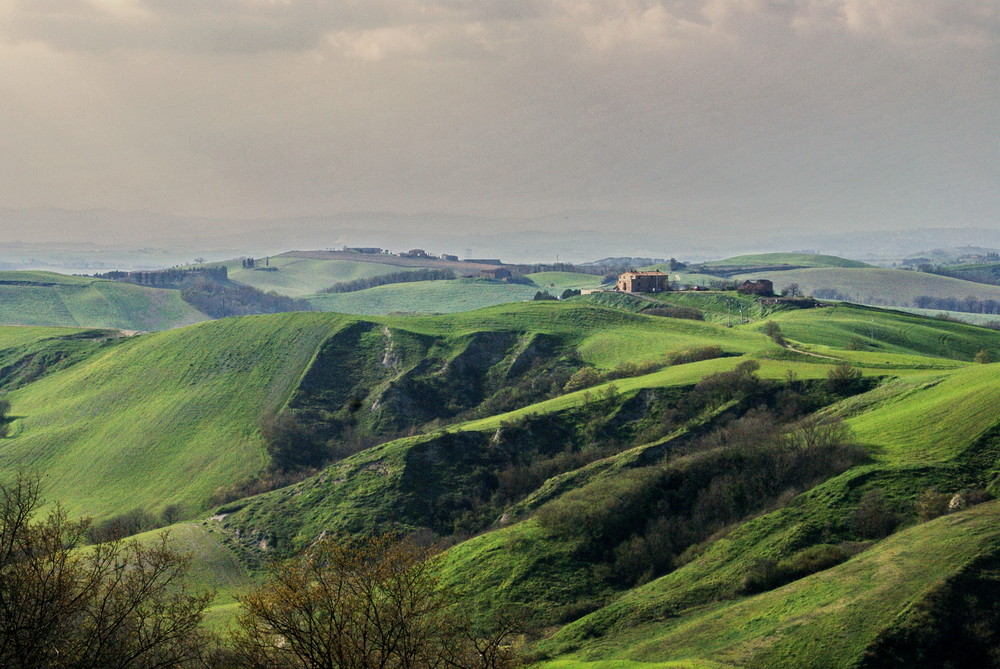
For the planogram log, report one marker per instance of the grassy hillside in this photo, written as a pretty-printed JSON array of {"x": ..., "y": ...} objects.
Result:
[
  {"x": 467, "y": 427},
  {"x": 980, "y": 273},
  {"x": 440, "y": 297},
  {"x": 797, "y": 259},
  {"x": 297, "y": 277},
  {"x": 869, "y": 329},
  {"x": 45, "y": 298},
  {"x": 828, "y": 619},
  {"x": 170, "y": 417},
  {"x": 214, "y": 566},
  {"x": 556, "y": 282},
  {"x": 880, "y": 287},
  {"x": 159, "y": 419}
]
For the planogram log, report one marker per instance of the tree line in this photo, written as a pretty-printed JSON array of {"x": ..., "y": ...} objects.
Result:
[
  {"x": 392, "y": 277},
  {"x": 220, "y": 300}
]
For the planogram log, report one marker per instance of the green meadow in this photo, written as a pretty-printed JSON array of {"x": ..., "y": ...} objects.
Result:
[{"x": 46, "y": 298}]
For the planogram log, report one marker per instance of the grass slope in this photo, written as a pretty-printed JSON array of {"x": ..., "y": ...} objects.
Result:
[
  {"x": 824, "y": 620},
  {"x": 886, "y": 331},
  {"x": 213, "y": 566},
  {"x": 797, "y": 259},
  {"x": 424, "y": 297},
  {"x": 160, "y": 418},
  {"x": 297, "y": 277},
  {"x": 556, "y": 282},
  {"x": 875, "y": 286},
  {"x": 45, "y": 298}
]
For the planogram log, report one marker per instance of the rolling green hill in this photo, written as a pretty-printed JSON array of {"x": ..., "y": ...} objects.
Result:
[
  {"x": 45, "y": 298},
  {"x": 796, "y": 259},
  {"x": 439, "y": 297},
  {"x": 297, "y": 277},
  {"x": 879, "y": 287},
  {"x": 158, "y": 419},
  {"x": 824, "y": 620},
  {"x": 556, "y": 282},
  {"x": 980, "y": 273},
  {"x": 617, "y": 514}
]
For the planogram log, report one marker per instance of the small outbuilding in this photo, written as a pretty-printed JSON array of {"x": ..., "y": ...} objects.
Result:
[
  {"x": 499, "y": 273},
  {"x": 761, "y": 287},
  {"x": 642, "y": 282}
]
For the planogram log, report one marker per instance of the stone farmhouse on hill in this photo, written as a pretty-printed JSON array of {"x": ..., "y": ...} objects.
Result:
[
  {"x": 500, "y": 273},
  {"x": 642, "y": 282},
  {"x": 761, "y": 287}
]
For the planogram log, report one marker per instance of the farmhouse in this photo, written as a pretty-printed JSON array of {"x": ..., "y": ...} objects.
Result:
[
  {"x": 414, "y": 253},
  {"x": 642, "y": 282},
  {"x": 448, "y": 256},
  {"x": 762, "y": 287},
  {"x": 363, "y": 249}
]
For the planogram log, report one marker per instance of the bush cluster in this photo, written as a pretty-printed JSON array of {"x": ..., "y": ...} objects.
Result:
[
  {"x": 392, "y": 277},
  {"x": 639, "y": 523},
  {"x": 220, "y": 300}
]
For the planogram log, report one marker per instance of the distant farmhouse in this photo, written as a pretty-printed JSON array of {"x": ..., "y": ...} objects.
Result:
[
  {"x": 414, "y": 253},
  {"x": 642, "y": 282},
  {"x": 364, "y": 249},
  {"x": 448, "y": 256},
  {"x": 761, "y": 287},
  {"x": 499, "y": 273}
]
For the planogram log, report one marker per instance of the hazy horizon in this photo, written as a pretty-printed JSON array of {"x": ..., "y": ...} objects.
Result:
[{"x": 695, "y": 118}]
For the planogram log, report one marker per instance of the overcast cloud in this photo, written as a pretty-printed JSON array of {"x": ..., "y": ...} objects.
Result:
[{"x": 849, "y": 114}]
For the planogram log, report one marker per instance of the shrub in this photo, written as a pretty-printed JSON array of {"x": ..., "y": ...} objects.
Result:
[
  {"x": 582, "y": 378},
  {"x": 695, "y": 354},
  {"x": 121, "y": 526},
  {"x": 874, "y": 518},
  {"x": 4, "y": 420},
  {"x": 765, "y": 574},
  {"x": 844, "y": 379},
  {"x": 773, "y": 330},
  {"x": 689, "y": 313},
  {"x": 983, "y": 357},
  {"x": 931, "y": 504}
]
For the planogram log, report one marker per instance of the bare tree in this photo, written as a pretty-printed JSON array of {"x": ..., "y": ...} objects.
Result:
[
  {"x": 359, "y": 603},
  {"x": 119, "y": 604}
]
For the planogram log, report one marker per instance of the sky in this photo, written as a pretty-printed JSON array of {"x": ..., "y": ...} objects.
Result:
[{"x": 692, "y": 115}]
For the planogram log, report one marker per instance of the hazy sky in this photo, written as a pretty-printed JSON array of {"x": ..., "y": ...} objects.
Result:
[{"x": 846, "y": 113}]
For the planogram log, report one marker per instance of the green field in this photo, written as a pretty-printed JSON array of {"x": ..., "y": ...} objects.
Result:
[
  {"x": 163, "y": 418},
  {"x": 297, "y": 277},
  {"x": 441, "y": 297},
  {"x": 797, "y": 259},
  {"x": 879, "y": 287},
  {"x": 45, "y": 298},
  {"x": 556, "y": 282}
]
